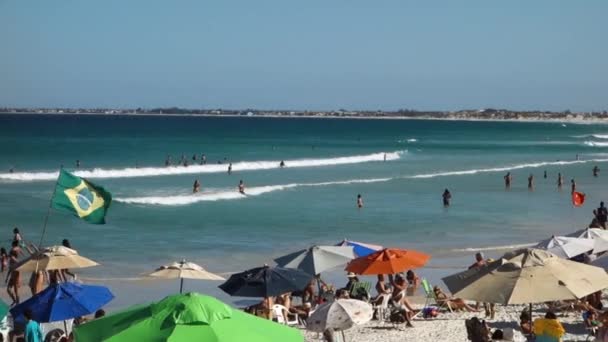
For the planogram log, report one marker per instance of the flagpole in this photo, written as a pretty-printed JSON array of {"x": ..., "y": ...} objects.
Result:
[{"x": 48, "y": 212}]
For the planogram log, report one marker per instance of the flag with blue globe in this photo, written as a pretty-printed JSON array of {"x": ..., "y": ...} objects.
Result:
[{"x": 82, "y": 198}]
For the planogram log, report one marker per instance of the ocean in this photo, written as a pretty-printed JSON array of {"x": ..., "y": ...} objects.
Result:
[{"x": 400, "y": 167}]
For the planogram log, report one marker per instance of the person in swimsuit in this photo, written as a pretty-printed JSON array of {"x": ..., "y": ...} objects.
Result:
[
  {"x": 241, "y": 187},
  {"x": 359, "y": 201},
  {"x": 531, "y": 182},
  {"x": 560, "y": 180},
  {"x": 282, "y": 164},
  {"x": 13, "y": 279},
  {"x": 596, "y": 171},
  {"x": 3, "y": 259},
  {"x": 203, "y": 159},
  {"x": 17, "y": 236},
  {"x": 196, "y": 187},
  {"x": 545, "y": 175},
  {"x": 508, "y": 178},
  {"x": 77, "y": 163},
  {"x": 230, "y": 168},
  {"x": 193, "y": 158},
  {"x": 572, "y": 186},
  {"x": 447, "y": 196},
  {"x": 168, "y": 161}
]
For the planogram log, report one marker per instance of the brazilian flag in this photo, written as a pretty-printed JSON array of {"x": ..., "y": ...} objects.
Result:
[{"x": 81, "y": 197}]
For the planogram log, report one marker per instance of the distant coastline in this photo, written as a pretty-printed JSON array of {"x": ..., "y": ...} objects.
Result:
[{"x": 462, "y": 115}]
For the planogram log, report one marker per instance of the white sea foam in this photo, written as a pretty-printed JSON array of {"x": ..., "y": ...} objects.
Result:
[
  {"x": 233, "y": 194},
  {"x": 596, "y": 144},
  {"x": 209, "y": 168},
  {"x": 503, "y": 168},
  {"x": 494, "y": 248},
  {"x": 597, "y": 136}
]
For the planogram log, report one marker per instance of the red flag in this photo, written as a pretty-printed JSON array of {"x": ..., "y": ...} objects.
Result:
[{"x": 578, "y": 198}]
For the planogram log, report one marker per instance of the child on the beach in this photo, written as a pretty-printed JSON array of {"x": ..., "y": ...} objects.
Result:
[{"x": 3, "y": 259}]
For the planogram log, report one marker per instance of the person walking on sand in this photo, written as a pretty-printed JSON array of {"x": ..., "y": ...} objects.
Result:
[
  {"x": 447, "y": 197},
  {"x": 560, "y": 180},
  {"x": 572, "y": 186},
  {"x": 596, "y": 171},
  {"x": 196, "y": 187},
  {"x": 230, "y": 169},
  {"x": 508, "y": 179},
  {"x": 359, "y": 201},
  {"x": 531, "y": 182},
  {"x": 241, "y": 187}
]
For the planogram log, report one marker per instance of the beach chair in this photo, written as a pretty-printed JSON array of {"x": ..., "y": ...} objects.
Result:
[
  {"x": 282, "y": 315},
  {"x": 382, "y": 310},
  {"x": 361, "y": 291},
  {"x": 430, "y": 296}
]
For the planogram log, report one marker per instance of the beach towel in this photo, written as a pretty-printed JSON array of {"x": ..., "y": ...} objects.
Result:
[{"x": 548, "y": 330}]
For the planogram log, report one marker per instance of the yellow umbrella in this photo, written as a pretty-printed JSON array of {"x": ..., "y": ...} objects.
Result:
[
  {"x": 184, "y": 270},
  {"x": 54, "y": 258}
]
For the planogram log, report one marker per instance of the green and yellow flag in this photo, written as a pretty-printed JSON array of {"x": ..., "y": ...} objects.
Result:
[{"x": 81, "y": 197}]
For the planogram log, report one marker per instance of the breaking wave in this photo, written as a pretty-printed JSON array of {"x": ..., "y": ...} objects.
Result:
[
  {"x": 208, "y": 168},
  {"x": 596, "y": 144}
]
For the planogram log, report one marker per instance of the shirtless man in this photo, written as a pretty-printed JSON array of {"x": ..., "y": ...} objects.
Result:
[{"x": 508, "y": 179}]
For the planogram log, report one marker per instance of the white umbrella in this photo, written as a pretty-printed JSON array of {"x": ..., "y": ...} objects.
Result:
[
  {"x": 339, "y": 315},
  {"x": 601, "y": 262},
  {"x": 54, "y": 258},
  {"x": 566, "y": 247},
  {"x": 184, "y": 270},
  {"x": 599, "y": 237}
]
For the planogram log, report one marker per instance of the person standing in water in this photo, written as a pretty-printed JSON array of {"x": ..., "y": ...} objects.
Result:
[
  {"x": 560, "y": 180},
  {"x": 241, "y": 187},
  {"x": 230, "y": 168},
  {"x": 282, "y": 164},
  {"x": 196, "y": 187},
  {"x": 359, "y": 201},
  {"x": 531, "y": 182},
  {"x": 447, "y": 197},
  {"x": 77, "y": 163},
  {"x": 596, "y": 171},
  {"x": 545, "y": 175},
  {"x": 508, "y": 180},
  {"x": 572, "y": 186},
  {"x": 203, "y": 159}
]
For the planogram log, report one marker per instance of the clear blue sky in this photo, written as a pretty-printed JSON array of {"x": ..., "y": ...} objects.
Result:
[{"x": 314, "y": 54}]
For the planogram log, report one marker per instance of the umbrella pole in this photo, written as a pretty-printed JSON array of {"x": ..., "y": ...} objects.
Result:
[
  {"x": 181, "y": 285},
  {"x": 65, "y": 328},
  {"x": 343, "y": 337},
  {"x": 48, "y": 213}
]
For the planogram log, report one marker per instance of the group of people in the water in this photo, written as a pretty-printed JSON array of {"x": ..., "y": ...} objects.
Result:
[{"x": 560, "y": 179}]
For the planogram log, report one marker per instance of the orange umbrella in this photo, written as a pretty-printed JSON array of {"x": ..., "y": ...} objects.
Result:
[{"x": 388, "y": 261}]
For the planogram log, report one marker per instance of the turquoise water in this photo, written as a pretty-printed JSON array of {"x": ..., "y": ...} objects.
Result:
[{"x": 155, "y": 218}]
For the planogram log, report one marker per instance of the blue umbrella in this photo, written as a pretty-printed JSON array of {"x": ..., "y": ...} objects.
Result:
[
  {"x": 64, "y": 301},
  {"x": 361, "y": 249}
]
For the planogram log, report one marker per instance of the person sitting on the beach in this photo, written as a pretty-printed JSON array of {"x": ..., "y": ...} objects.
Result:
[
  {"x": 595, "y": 222},
  {"x": 477, "y": 330},
  {"x": 525, "y": 323},
  {"x": 456, "y": 304},
  {"x": 400, "y": 300},
  {"x": 548, "y": 329},
  {"x": 413, "y": 279},
  {"x": 591, "y": 321},
  {"x": 242, "y": 187},
  {"x": 285, "y": 300},
  {"x": 352, "y": 282}
]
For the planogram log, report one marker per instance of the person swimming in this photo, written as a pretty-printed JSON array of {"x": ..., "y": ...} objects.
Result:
[
  {"x": 508, "y": 178},
  {"x": 359, "y": 201},
  {"x": 531, "y": 181},
  {"x": 230, "y": 168},
  {"x": 241, "y": 187},
  {"x": 196, "y": 187},
  {"x": 596, "y": 171},
  {"x": 282, "y": 164},
  {"x": 447, "y": 196}
]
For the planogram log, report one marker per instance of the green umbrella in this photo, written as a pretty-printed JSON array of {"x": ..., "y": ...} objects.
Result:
[{"x": 185, "y": 317}]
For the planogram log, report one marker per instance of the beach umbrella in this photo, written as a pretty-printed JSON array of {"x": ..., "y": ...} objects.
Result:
[
  {"x": 599, "y": 237},
  {"x": 388, "y": 261},
  {"x": 339, "y": 315},
  {"x": 566, "y": 247},
  {"x": 361, "y": 249},
  {"x": 185, "y": 318},
  {"x": 54, "y": 258},
  {"x": 266, "y": 282},
  {"x": 63, "y": 301},
  {"x": 184, "y": 270},
  {"x": 317, "y": 259},
  {"x": 601, "y": 262},
  {"x": 527, "y": 276}
]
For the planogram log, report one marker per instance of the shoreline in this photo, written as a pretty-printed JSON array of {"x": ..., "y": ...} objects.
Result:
[{"x": 575, "y": 121}]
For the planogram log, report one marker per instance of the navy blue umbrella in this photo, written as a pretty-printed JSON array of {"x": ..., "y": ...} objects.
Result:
[
  {"x": 266, "y": 282},
  {"x": 64, "y": 301}
]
